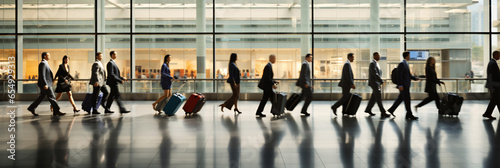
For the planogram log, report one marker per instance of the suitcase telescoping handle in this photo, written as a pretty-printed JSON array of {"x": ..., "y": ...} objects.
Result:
[
  {"x": 350, "y": 98},
  {"x": 182, "y": 85}
]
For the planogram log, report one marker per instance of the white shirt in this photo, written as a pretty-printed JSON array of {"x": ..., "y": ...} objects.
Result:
[
  {"x": 349, "y": 62},
  {"x": 378, "y": 66},
  {"x": 100, "y": 64},
  {"x": 310, "y": 68},
  {"x": 43, "y": 60},
  {"x": 113, "y": 61}
]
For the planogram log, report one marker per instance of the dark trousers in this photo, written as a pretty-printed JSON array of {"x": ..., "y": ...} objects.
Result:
[
  {"x": 403, "y": 96},
  {"x": 268, "y": 94},
  {"x": 52, "y": 99},
  {"x": 307, "y": 96},
  {"x": 95, "y": 94},
  {"x": 433, "y": 95},
  {"x": 375, "y": 97},
  {"x": 114, "y": 95},
  {"x": 494, "y": 101},
  {"x": 346, "y": 94},
  {"x": 232, "y": 100}
]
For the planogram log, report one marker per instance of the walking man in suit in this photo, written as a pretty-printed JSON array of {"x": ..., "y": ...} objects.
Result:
[
  {"x": 493, "y": 85},
  {"x": 404, "y": 78},
  {"x": 97, "y": 80},
  {"x": 305, "y": 83},
  {"x": 346, "y": 82},
  {"x": 113, "y": 79},
  {"x": 45, "y": 78},
  {"x": 266, "y": 83},
  {"x": 375, "y": 81}
]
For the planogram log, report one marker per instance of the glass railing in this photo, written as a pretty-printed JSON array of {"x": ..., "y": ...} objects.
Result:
[{"x": 456, "y": 85}]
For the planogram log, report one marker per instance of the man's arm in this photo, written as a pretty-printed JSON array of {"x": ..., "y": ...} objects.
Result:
[
  {"x": 111, "y": 72},
  {"x": 41, "y": 75}
]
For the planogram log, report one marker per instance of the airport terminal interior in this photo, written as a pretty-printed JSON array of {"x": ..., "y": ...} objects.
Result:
[{"x": 200, "y": 36}]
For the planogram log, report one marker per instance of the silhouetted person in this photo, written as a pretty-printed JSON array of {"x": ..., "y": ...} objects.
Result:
[
  {"x": 266, "y": 83},
  {"x": 113, "y": 79},
  {"x": 493, "y": 85},
  {"x": 404, "y": 78},
  {"x": 346, "y": 83},
  {"x": 375, "y": 81},
  {"x": 305, "y": 83},
  {"x": 234, "y": 82},
  {"x": 98, "y": 81},
  {"x": 166, "y": 81},
  {"x": 63, "y": 82},
  {"x": 45, "y": 85},
  {"x": 431, "y": 81}
]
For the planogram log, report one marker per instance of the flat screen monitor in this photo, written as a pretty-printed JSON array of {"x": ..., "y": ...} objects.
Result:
[{"x": 419, "y": 55}]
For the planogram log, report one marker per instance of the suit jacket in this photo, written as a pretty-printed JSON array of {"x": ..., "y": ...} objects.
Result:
[
  {"x": 234, "y": 74},
  {"x": 374, "y": 75},
  {"x": 62, "y": 74},
  {"x": 305, "y": 75},
  {"x": 347, "y": 79},
  {"x": 431, "y": 79},
  {"x": 404, "y": 75},
  {"x": 45, "y": 75},
  {"x": 267, "y": 80},
  {"x": 113, "y": 74},
  {"x": 98, "y": 74},
  {"x": 493, "y": 79}
]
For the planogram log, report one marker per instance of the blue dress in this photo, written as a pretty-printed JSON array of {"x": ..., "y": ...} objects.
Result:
[{"x": 166, "y": 79}]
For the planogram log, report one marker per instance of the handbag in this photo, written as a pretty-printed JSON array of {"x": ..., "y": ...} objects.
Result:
[{"x": 64, "y": 85}]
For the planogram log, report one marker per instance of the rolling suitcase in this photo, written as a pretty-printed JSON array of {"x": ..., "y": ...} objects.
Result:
[
  {"x": 159, "y": 107},
  {"x": 175, "y": 102},
  {"x": 292, "y": 102},
  {"x": 87, "y": 105},
  {"x": 194, "y": 103},
  {"x": 451, "y": 103},
  {"x": 279, "y": 104},
  {"x": 351, "y": 107}
]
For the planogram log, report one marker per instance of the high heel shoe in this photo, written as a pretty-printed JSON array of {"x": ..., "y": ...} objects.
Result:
[
  {"x": 76, "y": 111},
  {"x": 237, "y": 111},
  {"x": 221, "y": 107}
]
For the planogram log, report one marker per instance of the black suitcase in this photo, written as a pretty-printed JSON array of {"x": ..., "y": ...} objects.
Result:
[
  {"x": 451, "y": 104},
  {"x": 279, "y": 104},
  {"x": 292, "y": 102},
  {"x": 351, "y": 107}
]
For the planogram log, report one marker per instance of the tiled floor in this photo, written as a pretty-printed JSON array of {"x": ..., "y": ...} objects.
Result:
[{"x": 216, "y": 139}]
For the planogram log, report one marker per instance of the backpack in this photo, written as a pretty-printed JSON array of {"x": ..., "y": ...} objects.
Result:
[{"x": 394, "y": 76}]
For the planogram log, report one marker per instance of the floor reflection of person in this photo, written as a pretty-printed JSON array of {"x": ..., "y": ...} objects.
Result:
[
  {"x": 234, "y": 146},
  {"x": 376, "y": 155},
  {"x": 271, "y": 142},
  {"x": 347, "y": 133},
  {"x": 403, "y": 154},
  {"x": 166, "y": 143},
  {"x": 61, "y": 150},
  {"x": 112, "y": 145},
  {"x": 44, "y": 153},
  {"x": 492, "y": 160},
  {"x": 96, "y": 146}
]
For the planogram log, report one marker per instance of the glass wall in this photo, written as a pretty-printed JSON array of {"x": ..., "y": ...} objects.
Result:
[{"x": 201, "y": 34}]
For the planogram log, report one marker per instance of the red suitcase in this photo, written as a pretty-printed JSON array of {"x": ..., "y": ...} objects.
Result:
[{"x": 194, "y": 103}]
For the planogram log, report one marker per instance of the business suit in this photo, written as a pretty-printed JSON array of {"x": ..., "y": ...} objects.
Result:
[
  {"x": 493, "y": 85},
  {"x": 234, "y": 82},
  {"x": 404, "y": 80},
  {"x": 374, "y": 81},
  {"x": 305, "y": 78},
  {"x": 431, "y": 81},
  {"x": 62, "y": 75},
  {"x": 346, "y": 82},
  {"x": 45, "y": 77},
  {"x": 266, "y": 84},
  {"x": 112, "y": 81},
  {"x": 98, "y": 75}
]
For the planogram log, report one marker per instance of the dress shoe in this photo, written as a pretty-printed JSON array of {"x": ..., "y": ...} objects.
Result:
[
  {"x": 124, "y": 111},
  {"x": 33, "y": 112},
  {"x": 260, "y": 115},
  {"x": 384, "y": 115},
  {"x": 489, "y": 117},
  {"x": 369, "y": 112},
  {"x": 108, "y": 111},
  {"x": 58, "y": 113},
  {"x": 237, "y": 111},
  {"x": 411, "y": 117},
  {"x": 305, "y": 113},
  {"x": 334, "y": 110},
  {"x": 392, "y": 113}
]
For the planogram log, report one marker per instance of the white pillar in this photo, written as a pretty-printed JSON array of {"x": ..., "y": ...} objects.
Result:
[
  {"x": 200, "y": 43},
  {"x": 304, "y": 27},
  {"x": 19, "y": 59},
  {"x": 101, "y": 6},
  {"x": 132, "y": 45}
]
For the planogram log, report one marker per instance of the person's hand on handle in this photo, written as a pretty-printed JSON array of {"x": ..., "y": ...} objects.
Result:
[
  {"x": 400, "y": 88},
  {"x": 274, "y": 87},
  {"x": 125, "y": 79},
  {"x": 353, "y": 86},
  {"x": 96, "y": 84},
  {"x": 306, "y": 86},
  {"x": 443, "y": 83},
  {"x": 66, "y": 81},
  {"x": 45, "y": 87}
]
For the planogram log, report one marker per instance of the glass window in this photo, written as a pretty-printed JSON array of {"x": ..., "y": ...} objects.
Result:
[
  {"x": 116, "y": 16},
  {"x": 58, "y": 16},
  {"x": 7, "y": 16}
]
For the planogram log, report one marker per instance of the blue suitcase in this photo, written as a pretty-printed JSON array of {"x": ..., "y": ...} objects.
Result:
[
  {"x": 174, "y": 104},
  {"x": 87, "y": 105}
]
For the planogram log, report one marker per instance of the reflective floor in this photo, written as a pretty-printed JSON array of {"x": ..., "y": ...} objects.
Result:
[{"x": 216, "y": 139}]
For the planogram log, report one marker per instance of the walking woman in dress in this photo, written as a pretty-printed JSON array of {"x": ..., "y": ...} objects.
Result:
[
  {"x": 64, "y": 82},
  {"x": 234, "y": 81},
  {"x": 430, "y": 84},
  {"x": 166, "y": 80}
]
